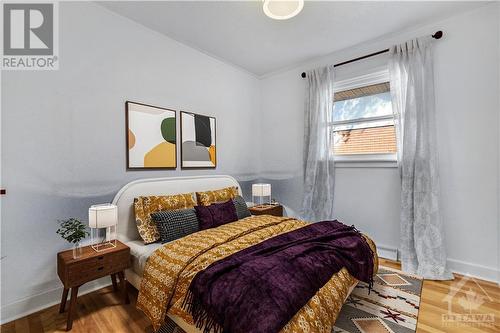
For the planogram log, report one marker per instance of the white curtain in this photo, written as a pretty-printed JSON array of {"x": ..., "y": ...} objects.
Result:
[
  {"x": 319, "y": 169},
  {"x": 412, "y": 90}
]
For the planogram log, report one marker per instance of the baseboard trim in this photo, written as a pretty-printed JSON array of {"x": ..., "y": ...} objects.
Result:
[
  {"x": 486, "y": 273},
  {"x": 474, "y": 270},
  {"x": 387, "y": 252},
  {"x": 43, "y": 300}
]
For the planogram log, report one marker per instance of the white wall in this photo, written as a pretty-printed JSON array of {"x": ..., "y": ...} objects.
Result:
[
  {"x": 467, "y": 86},
  {"x": 63, "y": 142}
]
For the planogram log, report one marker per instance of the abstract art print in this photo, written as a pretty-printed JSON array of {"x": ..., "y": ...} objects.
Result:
[
  {"x": 151, "y": 137},
  {"x": 198, "y": 146}
]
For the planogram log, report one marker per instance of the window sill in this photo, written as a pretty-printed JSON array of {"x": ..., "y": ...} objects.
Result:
[{"x": 366, "y": 161}]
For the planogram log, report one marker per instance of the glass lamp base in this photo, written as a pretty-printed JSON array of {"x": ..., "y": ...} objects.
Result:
[
  {"x": 104, "y": 246},
  {"x": 103, "y": 238},
  {"x": 261, "y": 200}
]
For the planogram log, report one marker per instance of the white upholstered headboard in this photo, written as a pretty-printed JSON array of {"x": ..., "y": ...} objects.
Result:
[{"x": 124, "y": 199}]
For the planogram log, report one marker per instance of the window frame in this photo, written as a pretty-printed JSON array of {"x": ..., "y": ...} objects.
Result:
[{"x": 363, "y": 160}]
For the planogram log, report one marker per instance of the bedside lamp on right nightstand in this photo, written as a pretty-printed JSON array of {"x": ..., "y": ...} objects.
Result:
[{"x": 261, "y": 194}]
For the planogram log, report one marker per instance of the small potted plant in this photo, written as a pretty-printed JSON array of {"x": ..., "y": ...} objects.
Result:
[{"x": 73, "y": 230}]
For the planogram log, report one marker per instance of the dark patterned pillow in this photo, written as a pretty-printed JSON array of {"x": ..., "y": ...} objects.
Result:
[
  {"x": 216, "y": 214},
  {"x": 174, "y": 224},
  {"x": 241, "y": 207}
]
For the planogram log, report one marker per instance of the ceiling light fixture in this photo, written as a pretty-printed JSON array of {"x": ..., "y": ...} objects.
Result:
[{"x": 282, "y": 9}]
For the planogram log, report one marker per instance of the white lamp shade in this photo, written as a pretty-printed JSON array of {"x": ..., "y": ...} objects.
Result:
[
  {"x": 103, "y": 216},
  {"x": 261, "y": 190}
]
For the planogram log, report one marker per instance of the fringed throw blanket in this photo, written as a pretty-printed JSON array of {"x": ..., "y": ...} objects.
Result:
[
  {"x": 170, "y": 270},
  {"x": 259, "y": 289}
]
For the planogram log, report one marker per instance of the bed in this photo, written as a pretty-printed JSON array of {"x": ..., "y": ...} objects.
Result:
[{"x": 318, "y": 314}]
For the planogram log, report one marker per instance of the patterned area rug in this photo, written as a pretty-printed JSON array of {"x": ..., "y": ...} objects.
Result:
[{"x": 390, "y": 307}]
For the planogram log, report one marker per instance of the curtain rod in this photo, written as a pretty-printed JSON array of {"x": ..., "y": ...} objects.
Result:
[{"x": 437, "y": 35}]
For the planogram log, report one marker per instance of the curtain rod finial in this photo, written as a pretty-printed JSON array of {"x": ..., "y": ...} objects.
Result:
[
  {"x": 438, "y": 34},
  {"x": 303, "y": 75}
]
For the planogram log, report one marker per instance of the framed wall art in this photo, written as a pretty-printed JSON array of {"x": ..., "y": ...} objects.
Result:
[
  {"x": 198, "y": 141},
  {"x": 151, "y": 137}
]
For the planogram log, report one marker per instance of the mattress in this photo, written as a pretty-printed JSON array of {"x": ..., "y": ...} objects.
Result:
[{"x": 139, "y": 254}]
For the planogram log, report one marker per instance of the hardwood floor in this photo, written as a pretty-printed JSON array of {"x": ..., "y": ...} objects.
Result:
[
  {"x": 102, "y": 310},
  {"x": 433, "y": 305}
]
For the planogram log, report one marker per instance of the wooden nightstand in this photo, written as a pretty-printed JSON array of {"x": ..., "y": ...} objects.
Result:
[
  {"x": 276, "y": 210},
  {"x": 91, "y": 266}
]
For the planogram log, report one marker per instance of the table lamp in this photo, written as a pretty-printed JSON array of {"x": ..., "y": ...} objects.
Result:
[
  {"x": 261, "y": 192},
  {"x": 103, "y": 219}
]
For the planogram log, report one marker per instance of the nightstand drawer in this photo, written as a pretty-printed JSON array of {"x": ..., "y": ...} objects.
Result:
[
  {"x": 80, "y": 275},
  {"x": 276, "y": 210},
  {"x": 95, "y": 266},
  {"x": 100, "y": 260}
]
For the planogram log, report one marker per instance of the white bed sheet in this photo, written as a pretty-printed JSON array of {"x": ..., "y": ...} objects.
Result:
[{"x": 139, "y": 253}]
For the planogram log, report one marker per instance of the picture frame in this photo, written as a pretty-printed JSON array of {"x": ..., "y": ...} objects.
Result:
[
  {"x": 198, "y": 141},
  {"x": 151, "y": 137}
]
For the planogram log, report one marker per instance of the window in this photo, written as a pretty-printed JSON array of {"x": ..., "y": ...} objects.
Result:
[{"x": 362, "y": 121}]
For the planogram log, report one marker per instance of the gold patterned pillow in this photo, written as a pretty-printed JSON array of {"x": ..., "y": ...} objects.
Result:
[
  {"x": 209, "y": 197},
  {"x": 144, "y": 206}
]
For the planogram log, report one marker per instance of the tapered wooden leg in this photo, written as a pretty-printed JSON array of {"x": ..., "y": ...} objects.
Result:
[
  {"x": 64, "y": 297},
  {"x": 123, "y": 282},
  {"x": 113, "y": 280},
  {"x": 72, "y": 308}
]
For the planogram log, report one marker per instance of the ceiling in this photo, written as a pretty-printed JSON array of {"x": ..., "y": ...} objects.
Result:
[{"x": 239, "y": 33}]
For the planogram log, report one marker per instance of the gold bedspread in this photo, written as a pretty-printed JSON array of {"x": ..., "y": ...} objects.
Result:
[{"x": 170, "y": 269}]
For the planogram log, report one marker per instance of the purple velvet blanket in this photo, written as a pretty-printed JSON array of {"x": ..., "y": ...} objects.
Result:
[{"x": 260, "y": 288}]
